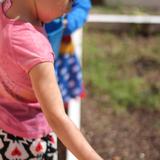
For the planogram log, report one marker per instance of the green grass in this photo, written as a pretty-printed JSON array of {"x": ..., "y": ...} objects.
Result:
[
  {"x": 122, "y": 70},
  {"x": 121, "y": 9}
]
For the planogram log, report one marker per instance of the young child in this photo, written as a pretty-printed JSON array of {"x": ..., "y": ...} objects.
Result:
[
  {"x": 67, "y": 65},
  {"x": 29, "y": 93}
]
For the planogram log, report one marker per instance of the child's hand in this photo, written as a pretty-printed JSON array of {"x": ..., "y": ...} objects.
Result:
[{"x": 65, "y": 22}]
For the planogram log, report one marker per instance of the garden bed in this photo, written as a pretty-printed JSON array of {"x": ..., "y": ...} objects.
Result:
[{"x": 120, "y": 115}]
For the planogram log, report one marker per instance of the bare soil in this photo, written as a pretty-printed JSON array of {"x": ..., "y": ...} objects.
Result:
[{"x": 121, "y": 135}]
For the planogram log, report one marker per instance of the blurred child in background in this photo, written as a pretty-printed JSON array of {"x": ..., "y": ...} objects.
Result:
[{"x": 67, "y": 64}]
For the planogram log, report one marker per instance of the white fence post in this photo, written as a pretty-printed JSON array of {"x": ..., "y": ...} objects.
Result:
[
  {"x": 74, "y": 111},
  {"x": 113, "y": 18}
]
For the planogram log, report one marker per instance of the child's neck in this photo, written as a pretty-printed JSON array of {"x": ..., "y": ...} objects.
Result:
[{"x": 24, "y": 10}]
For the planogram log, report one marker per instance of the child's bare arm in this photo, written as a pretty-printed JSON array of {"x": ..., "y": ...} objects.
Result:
[{"x": 47, "y": 91}]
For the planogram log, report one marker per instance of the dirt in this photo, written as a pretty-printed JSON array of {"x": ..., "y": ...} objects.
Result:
[{"x": 132, "y": 134}]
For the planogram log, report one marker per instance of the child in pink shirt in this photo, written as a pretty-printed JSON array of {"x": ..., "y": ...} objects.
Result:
[{"x": 29, "y": 94}]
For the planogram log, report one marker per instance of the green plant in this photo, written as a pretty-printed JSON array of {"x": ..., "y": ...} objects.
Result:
[{"x": 118, "y": 66}]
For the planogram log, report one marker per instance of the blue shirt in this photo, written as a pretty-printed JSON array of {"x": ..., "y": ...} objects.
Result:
[{"x": 77, "y": 16}]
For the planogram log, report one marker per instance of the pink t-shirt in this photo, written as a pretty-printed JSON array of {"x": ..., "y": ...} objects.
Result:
[{"x": 22, "y": 46}]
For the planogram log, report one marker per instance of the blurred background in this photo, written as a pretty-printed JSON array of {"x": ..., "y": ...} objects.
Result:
[{"x": 121, "y": 68}]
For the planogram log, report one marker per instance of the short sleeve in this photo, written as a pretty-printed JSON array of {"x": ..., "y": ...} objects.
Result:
[{"x": 29, "y": 47}]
